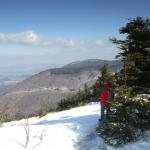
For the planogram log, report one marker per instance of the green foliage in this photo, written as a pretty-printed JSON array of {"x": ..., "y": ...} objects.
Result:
[
  {"x": 135, "y": 52},
  {"x": 128, "y": 117},
  {"x": 106, "y": 75},
  {"x": 116, "y": 133},
  {"x": 78, "y": 99},
  {"x": 129, "y": 114}
]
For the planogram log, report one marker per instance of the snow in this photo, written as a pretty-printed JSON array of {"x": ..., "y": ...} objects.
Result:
[{"x": 74, "y": 129}]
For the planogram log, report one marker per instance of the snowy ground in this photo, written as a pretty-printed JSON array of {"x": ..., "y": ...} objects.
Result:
[{"x": 67, "y": 130}]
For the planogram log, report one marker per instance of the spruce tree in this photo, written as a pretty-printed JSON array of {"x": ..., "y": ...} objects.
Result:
[
  {"x": 129, "y": 111},
  {"x": 135, "y": 52},
  {"x": 106, "y": 75}
]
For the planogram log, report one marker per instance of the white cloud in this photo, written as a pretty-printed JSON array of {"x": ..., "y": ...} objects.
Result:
[
  {"x": 61, "y": 47},
  {"x": 98, "y": 42},
  {"x": 32, "y": 38},
  {"x": 65, "y": 42},
  {"x": 28, "y": 37}
]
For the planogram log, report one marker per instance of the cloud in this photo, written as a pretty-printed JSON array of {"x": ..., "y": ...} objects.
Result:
[
  {"x": 61, "y": 47},
  {"x": 34, "y": 39},
  {"x": 65, "y": 42},
  {"x": 28, "y": 37}
]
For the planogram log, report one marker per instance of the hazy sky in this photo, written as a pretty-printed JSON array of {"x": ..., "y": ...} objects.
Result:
[{"x": 56, "y": 32}]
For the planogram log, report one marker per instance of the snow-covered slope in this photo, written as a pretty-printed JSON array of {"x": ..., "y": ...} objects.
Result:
[{"x": 67, "y": 130}]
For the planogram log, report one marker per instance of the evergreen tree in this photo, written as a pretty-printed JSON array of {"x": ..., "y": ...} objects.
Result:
[
  {"x": 129, "y": 111},
  {"x": 128, "y": 117},
  {"x": 135, "y": 51},
  {"x": 86, "y": 92},
  {"x": 106, "y": 75}
]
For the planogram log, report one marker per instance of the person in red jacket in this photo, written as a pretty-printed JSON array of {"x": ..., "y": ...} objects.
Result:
[{"x": 103, "y": 90}]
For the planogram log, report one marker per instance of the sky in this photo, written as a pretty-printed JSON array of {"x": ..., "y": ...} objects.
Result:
[{"x": 56, "y": 32}]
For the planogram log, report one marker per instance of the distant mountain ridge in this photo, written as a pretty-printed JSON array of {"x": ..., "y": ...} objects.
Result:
[
  {"x": 89, "y": 63},
  {"x": 43, "y": 91},
  {"x": 77, "y": 66}
]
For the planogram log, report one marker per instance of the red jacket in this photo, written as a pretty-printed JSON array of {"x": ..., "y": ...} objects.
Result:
[
  {"x": 103, "y": 97},
  {"x": 97, "y": 86},
  {"x": 104, "y": 93},
  {"x": 107, "y": 86}
]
